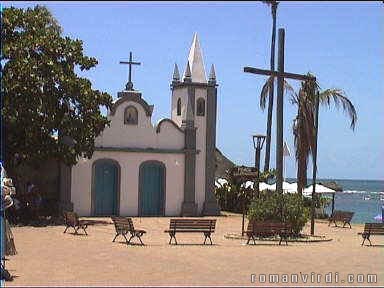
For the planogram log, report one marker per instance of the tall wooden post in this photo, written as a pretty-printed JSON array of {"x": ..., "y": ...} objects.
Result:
[
  {"x": 314, "y": 165},
  {"x": 279, "y": 112},
  {"x": 280, "y": 74}
]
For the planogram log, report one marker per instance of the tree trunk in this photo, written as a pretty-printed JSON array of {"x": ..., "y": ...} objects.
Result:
[
  {"x": 302, "y": 153},
  {"x": 271, "y": 91}
]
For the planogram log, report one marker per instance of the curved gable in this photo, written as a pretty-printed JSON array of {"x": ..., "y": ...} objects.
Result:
[
  {"x": 166, "y": 120},
  {"x": 134, "y": 96}
]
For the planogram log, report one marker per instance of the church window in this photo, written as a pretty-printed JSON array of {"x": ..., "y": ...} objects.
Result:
[
  {"x": 130, "y": 115},
  {"x": 178, "y": 107},
  {"x": 200, "y": 111}
]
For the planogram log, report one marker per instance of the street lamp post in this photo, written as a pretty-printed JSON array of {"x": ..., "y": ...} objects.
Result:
[{"x": 258, "y": 142}]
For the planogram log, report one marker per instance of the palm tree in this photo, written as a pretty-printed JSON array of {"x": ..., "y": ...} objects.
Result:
[
  {"x": 304, "y": 123},
  {"x": 273, "y": 4}
]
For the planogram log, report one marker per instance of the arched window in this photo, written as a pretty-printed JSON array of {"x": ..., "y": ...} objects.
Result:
[
  {"x": 200, "y": 111},
  {"x": 178, "y": 107},
  {"x": 130, "y": 115}
]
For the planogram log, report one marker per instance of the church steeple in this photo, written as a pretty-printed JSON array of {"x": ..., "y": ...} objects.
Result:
[
  {"x": 176, "y": 74},
  {"x": 187, "y": 74},
  {"x": 196, "y": 63},
  {"x": 194, "y": 107},
  {"x": 212, "y": 75}
]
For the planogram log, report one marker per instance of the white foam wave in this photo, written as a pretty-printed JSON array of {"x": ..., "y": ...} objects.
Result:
[{"x": 361, "y": 192}]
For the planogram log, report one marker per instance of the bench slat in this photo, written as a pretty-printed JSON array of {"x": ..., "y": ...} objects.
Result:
[{"x": 374, "y": 228}]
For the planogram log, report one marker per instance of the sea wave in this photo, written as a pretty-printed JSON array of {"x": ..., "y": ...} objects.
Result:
[{"x": 362, "y": 192}]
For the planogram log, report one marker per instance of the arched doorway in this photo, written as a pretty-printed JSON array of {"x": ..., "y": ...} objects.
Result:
[
  {"x": 152, "y": 189},
  {"x": 105, "y": 190}
]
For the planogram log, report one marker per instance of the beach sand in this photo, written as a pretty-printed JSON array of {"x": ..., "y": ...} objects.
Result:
[{"x": 48, "y": 257}]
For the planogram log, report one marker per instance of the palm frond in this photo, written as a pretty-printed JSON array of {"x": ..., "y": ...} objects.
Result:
[
  {"x": 339, "y": 98},
  {"x": 268, "y": 85},
  {"x": 265, "y": 92},
  {"x": 288, "y": 89}
]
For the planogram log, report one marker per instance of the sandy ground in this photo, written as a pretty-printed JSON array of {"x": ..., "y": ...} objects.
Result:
[{"x": 48, "y": 257}]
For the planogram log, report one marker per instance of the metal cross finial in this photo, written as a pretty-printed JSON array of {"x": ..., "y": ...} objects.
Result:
[{"x": 129, "y": 85}]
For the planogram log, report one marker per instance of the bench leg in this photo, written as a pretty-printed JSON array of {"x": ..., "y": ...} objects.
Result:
[
  {"x": 139, "y": 236},
  {"x": 345, "y": 223},
  {"x": 172, "y": 235},
  {"x": 130, "y": 238},
  {"x": 66, "y": 229},
  {"x": 117, "y": 234},
  {"x": 366, "y": 237},
  {"x": 363, "y": 239},
  {"x": 76, "y": 230},
  {"x": 207, "y": 235},
  {"x": 125, "y": 237},
  {"x": 85, "y": 227},
  {"x": 249, "y": 239},
  {"x": 285, "y": 237}
]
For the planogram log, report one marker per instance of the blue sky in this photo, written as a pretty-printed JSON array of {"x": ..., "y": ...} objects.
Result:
[{"x": 340, "y": 42}]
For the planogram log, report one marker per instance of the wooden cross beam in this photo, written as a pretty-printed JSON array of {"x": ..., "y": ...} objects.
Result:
[
  {"x": 277, "y": 74},
  {"x": 129, "y": 85},
  {"x": 280, "y": 74}
]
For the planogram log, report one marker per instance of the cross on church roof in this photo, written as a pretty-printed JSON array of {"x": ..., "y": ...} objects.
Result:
[{"x": 129, "y": 85}]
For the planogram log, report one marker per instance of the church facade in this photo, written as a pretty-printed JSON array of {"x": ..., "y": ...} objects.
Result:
[{"x": 141, "y": 169}]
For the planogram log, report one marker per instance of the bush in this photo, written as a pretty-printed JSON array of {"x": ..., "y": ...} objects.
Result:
[
  {"x": 320, "y": 201},
  {"x": 231, "y": 198},
  {"x": 295, "y": 212},
  {"x": 273, "y": 206},
  {"x": 266, "y": 207}
]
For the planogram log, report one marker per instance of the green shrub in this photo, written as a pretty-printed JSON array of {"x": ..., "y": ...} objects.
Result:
[
  {"x": 265, "y": 207},
  {"x": 273, "y": 206},
  {"x": 294, "y": 212},
  {"x": 231, "y": 198},
  {"x": 320, "y": 201}
]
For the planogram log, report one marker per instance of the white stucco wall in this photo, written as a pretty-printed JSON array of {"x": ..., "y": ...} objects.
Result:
[
  {"x": 142, "y": 135},
  {"x": 129, "y": 183},
  {"x": 200, "y": 123}
]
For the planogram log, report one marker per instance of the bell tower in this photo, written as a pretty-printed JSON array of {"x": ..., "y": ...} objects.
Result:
[{"x": 194, "y": 105}]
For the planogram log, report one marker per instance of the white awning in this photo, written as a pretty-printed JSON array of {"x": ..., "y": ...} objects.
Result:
[{"x": 319, "y": 189}]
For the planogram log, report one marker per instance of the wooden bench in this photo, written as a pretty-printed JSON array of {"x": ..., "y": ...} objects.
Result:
[
  {"x": 71, "y": 219},
  {"x": 123, "y": 226},
  {"x": 265, "y": 229},
  {"x": 372, "y": 229},
  {"x": 205, "y": 226},
  {"x": 341, "y": 216}
]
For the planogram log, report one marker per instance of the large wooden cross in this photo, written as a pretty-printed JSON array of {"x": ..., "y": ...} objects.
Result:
[
  {"x": 129, "y": 85},
  {"x": 281, "y": 74}
]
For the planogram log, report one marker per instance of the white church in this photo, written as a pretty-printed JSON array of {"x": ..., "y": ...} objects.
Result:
[{"x": 141, "y": 169}]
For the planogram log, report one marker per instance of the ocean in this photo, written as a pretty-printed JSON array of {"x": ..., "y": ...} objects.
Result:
[{"x": 364, "y": 197}]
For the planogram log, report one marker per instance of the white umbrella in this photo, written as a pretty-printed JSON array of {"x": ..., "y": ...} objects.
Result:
[
  {"x": 319, "y": 189},
  {"x": 222, "y": 181},
  {"x": 248, "y": 184},
  {"x": 265, "y": 186},
  {"x": 287, "y": 187},
  {"x": 290, "y": 187}
]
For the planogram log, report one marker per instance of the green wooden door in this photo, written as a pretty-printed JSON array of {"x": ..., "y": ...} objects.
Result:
[
  {"x": 151, "y": 189},
  {"x": 105, "y": 201}
]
